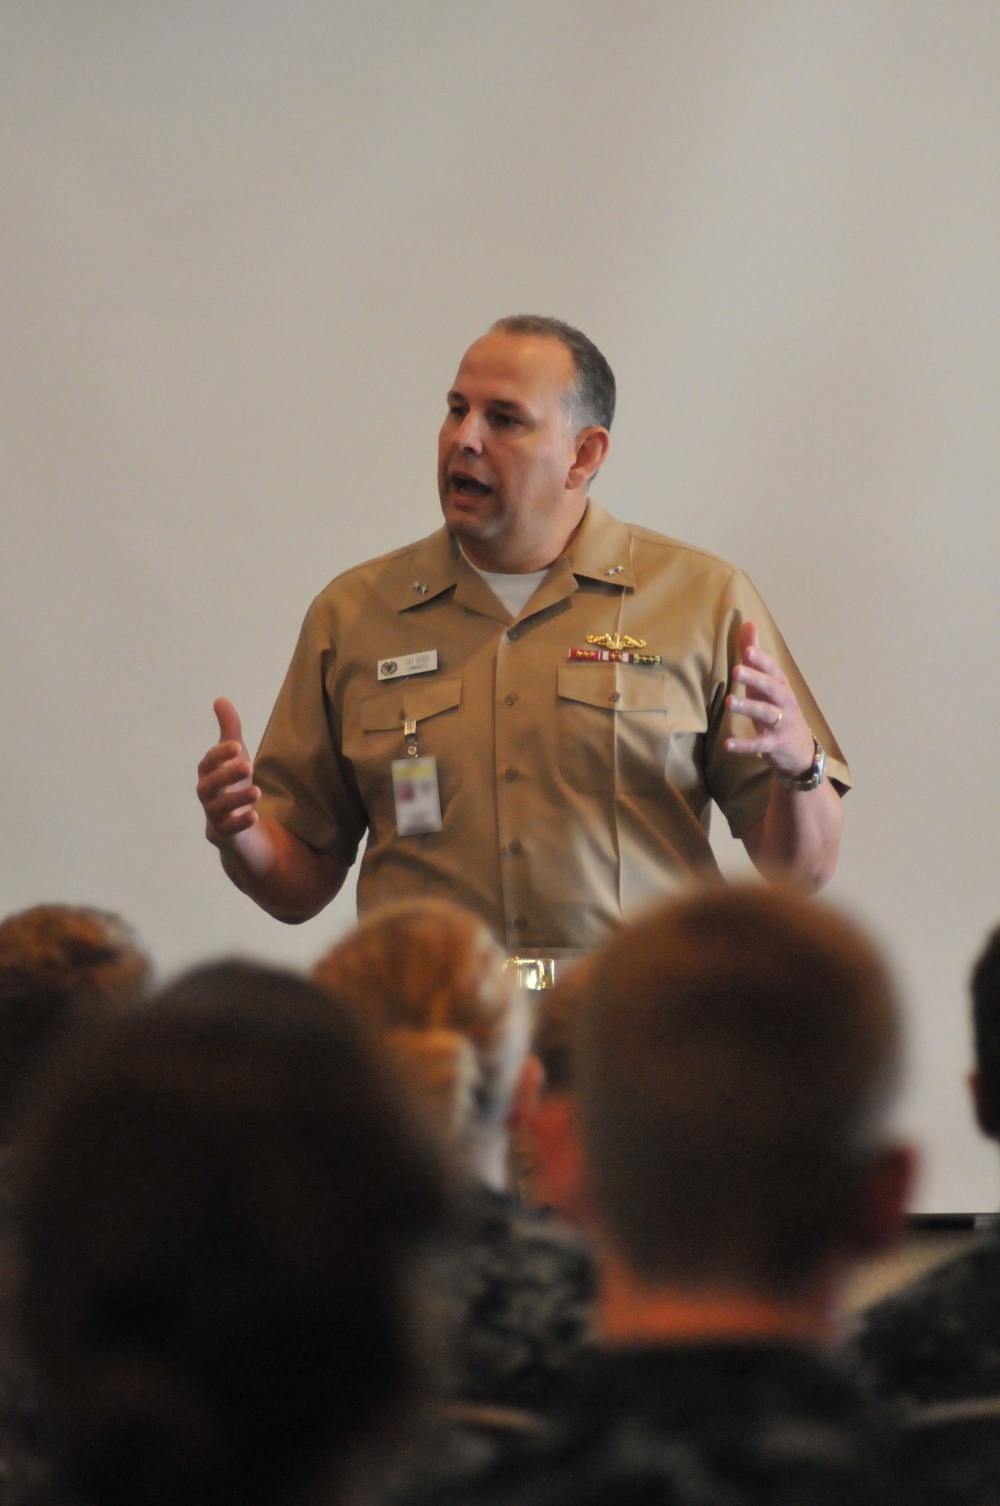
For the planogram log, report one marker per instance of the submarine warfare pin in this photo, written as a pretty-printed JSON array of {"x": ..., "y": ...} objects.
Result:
[{"x": 616, "y": 649}]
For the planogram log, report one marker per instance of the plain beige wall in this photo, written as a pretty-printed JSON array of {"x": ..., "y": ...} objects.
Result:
[{"x": 243, "y": 245}]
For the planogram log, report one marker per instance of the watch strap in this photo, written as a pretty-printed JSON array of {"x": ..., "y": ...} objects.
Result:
[{"x": 813, "y": 776}]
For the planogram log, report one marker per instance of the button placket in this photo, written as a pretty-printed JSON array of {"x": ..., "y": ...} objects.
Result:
[{"x": 510, "y": 785}]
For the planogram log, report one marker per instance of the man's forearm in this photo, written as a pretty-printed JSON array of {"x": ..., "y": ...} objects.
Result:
[
  {"x": 798, "y": 838},
  {"x": 280, "y": 872}
]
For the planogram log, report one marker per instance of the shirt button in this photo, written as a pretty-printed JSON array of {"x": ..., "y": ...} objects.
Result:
[
  {"x": 512, "y": 632},
  {"x": 616, "y": 695},
  {"x": 520, "y": 924},
  {"x": 510, "y": 773},
  {"x": 514, "y": 847},
  {"x": 509, "y": 700}
]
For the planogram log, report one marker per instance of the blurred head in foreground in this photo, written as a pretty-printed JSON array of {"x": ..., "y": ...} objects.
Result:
[
  {"x": 985, "y": 1078},
  {"x": 737, "y": 1056},
  {"x": 58, "y": 962},
  {"x": 220, "y": 1198},
  {"x": 432, "y": 980}
]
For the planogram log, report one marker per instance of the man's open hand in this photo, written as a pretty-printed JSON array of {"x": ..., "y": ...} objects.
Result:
[
  {"x": 225, "y": 780},
  {"x": 782, "y": 735}
]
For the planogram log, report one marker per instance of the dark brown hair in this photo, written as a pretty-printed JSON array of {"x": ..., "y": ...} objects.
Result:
[
  {"x": 736, "y": 1053},
  {"x": 219, "y": 1197}
]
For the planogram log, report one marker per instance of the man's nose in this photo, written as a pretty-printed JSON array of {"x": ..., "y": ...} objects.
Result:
[{"x": 469, "y": 434}]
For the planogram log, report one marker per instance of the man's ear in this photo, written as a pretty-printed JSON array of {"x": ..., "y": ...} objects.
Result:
[
  {"x": 592, "y": 447},
  {"x": 885, "y": 1197}
]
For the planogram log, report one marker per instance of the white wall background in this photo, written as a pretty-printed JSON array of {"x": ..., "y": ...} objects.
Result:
[{"x": 243, "y": 245}]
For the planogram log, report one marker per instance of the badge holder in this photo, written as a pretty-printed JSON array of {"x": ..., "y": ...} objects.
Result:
[{"x": 415, "y": 789}]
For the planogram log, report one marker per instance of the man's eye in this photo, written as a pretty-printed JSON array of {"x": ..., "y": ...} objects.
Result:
[{"x": 504, "y": 420}]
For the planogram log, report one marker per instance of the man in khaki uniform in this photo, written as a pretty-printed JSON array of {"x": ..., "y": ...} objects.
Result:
[{"x": 570, "y": 694}]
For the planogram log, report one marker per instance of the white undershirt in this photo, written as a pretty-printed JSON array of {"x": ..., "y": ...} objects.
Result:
[{"x": 514, "y": 591}]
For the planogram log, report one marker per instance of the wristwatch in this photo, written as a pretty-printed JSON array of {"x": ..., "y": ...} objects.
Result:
[{"x": 813, "y": 776}]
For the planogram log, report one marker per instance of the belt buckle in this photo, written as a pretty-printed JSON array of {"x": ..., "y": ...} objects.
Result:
[{"x": 533, "y": 973}]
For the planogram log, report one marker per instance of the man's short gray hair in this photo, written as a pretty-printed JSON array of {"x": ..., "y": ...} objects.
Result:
[{"x": 592, "y": 400}]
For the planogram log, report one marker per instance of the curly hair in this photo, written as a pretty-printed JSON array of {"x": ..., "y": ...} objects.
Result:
[
  {"x": 56, "y": 962},
  {"x": 432, "y": 980}
]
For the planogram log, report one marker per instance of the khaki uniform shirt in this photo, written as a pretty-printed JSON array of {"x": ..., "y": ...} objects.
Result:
[{"x": 572, "y": 793}]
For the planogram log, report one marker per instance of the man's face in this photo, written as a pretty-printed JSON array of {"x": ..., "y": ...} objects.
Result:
[{"x": 505, "y": 451}]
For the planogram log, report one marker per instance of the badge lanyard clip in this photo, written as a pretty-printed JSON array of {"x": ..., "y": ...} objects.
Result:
[{"x": 410, "y": 733}]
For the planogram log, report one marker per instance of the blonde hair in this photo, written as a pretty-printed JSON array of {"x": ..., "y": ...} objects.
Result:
[{"x": 432, "y": 980}]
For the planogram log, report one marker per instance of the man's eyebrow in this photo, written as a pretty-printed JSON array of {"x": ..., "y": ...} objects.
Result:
[{"x": 510, "y": 403}]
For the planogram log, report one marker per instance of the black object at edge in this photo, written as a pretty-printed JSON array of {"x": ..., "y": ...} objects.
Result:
[{"x": 920, "y": 1221}]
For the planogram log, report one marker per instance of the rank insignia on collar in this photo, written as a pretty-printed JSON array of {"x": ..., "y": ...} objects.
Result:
[{"x": 615, "y": 641}]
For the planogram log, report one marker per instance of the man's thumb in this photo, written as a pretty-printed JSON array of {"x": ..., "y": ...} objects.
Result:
[{"x": 230, "y": 730}]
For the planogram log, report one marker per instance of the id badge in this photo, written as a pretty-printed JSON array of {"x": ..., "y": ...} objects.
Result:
[{"x": 415, "y": 791}]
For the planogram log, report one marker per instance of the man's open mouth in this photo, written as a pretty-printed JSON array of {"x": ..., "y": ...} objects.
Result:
[{"x": 468, "y": 486}]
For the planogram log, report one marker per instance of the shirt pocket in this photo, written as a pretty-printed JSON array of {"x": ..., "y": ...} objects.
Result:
[
  {"x": 614, "y": 727},
  {"x": 377, "y": 736}
]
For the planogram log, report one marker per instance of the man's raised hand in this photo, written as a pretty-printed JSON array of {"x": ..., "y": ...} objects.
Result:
[
  {"x": 225, "y": 780},
  {"x": 762, "y": 693}
]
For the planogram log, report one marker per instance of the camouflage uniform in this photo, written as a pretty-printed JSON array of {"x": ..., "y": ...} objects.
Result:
[
  {"x": 936, "y": 1344},
  {"x": 703, "y": 1425},
  {"x": 939, "y": 1339},
  {"x": 517, "y": 1290}
]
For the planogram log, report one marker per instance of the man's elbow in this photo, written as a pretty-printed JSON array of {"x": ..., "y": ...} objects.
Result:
[
  {"x": 806, "y": 868},
  {"x": 296, "y": 884},
  {"x": 814, "y": 876}
]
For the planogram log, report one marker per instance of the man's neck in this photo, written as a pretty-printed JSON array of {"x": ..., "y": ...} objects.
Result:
[
  {"x": 633, "y": 1312},
  {"x": 520, "y": 557}
]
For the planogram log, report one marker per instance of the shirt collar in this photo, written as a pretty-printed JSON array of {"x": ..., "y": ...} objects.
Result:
[
  {"x": 599, "y": 550},
  {"x": 427, "y": 570}
]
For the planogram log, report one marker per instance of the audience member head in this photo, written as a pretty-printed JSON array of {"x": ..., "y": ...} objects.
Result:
[
  {"x": 432, "y": 980},
  {"x": 738, "y": 1052},
  {"x": 57, "y": 962},
  {"x": 986, "y": 1033},
  {"x": 221, "y": 1194}
]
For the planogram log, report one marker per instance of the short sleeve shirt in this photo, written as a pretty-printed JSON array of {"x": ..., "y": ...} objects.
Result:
[{"x": 573, "y": 792}]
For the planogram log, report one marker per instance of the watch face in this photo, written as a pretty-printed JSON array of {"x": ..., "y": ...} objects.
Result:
[{"x": 817, "y": 771}]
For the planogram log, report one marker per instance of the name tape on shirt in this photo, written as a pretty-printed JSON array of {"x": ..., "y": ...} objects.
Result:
[{"x": 408, "y": 664}]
